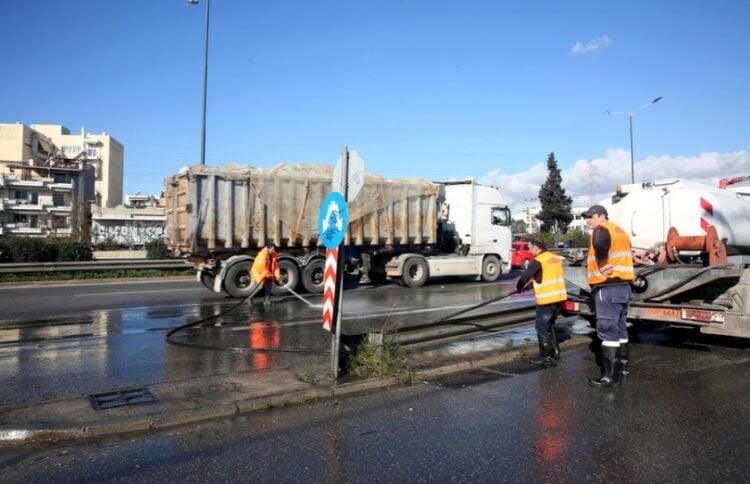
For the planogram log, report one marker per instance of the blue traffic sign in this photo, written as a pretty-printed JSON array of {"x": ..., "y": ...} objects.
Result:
[{"x": 333, "y": 220}]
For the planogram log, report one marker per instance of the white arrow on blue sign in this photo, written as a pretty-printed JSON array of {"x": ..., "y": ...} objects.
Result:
[{"x": 333, "y": 220}]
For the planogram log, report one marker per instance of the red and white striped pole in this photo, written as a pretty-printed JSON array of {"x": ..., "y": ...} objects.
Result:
[{"x": 329, "y": 288}]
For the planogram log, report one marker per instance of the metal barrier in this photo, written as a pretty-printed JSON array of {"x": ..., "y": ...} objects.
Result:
[{"x": 98, "y": 265}]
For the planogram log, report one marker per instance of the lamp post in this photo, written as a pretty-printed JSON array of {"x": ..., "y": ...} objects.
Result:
[
  {"x": 527, "y": 209},
  {"x": 630, "y": 116},
  {"x": 205, "y": 82}
]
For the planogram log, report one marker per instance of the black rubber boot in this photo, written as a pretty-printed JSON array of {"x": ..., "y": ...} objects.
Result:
[
  {"x": 610, "y": 369},
  {"x": 555, "y": 344},
  {"x": 545, "y": 351},
  {"x": 623, "y": 358}
]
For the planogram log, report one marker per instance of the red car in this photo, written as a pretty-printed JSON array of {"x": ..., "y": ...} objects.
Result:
[{"x": 520, "y": 255}]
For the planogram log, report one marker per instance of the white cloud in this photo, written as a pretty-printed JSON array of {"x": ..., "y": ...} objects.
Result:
[
  {"x": 591, "y": 181},
  {"x": 579, "y": 48}
]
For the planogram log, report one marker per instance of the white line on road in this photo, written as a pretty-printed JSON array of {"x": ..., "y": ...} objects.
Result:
[{"x": 120, "y": 293}]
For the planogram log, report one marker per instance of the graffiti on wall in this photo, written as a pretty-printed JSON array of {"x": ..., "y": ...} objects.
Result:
[{"x": 130, "y": 233}]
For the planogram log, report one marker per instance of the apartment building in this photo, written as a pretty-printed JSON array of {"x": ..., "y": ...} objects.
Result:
[
  {"x": 48, "y": 178},
  {"x": 101, "y": 151}
]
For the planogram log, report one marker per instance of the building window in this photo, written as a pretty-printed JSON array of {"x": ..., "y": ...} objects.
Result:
[
  {"x": 92, "y": 153},
  {"x": 71, "y": 151},
  {"x": 61, "y": 178},
  {"x": 58, "y": 199},
  {"x": 19, "y": 195}
]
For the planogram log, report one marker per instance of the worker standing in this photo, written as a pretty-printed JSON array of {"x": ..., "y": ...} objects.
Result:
[
  {"x": 265, "y": 270},
  {"x": 609, "y": 271},
  {"x": 545, "y": 272}
]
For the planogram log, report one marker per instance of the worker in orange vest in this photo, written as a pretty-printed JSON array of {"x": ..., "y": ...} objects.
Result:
[
  {"x": 265, "y": 271},
  {"x": 609, "y": 271},
  {"x": 545, "y": 272}
]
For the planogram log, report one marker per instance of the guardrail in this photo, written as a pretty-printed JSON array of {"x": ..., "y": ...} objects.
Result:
[
  {"x": 464, "y": 326},
  {"x": 98, "y": 265}
]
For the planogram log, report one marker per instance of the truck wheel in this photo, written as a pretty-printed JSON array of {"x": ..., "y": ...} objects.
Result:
[
  {"x": 491, "y": 268},
  {"x": 237, "y": 281},
  {"x": 312, "y": 276},
  {"x": 207, "y": 279},
  {"x": 415, "y": 272},
  {"x": 289, "y": 278}
]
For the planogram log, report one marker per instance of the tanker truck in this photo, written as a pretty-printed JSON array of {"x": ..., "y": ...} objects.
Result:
[
  {"x": 407, "y": 230},
  {"x": 691, "y": 247}
]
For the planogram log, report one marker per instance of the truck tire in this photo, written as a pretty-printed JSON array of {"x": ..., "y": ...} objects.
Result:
[
  {"x": 207, "y": 279},
  {"x": 491, "y": 268},
  {"x": 237, "y": 281},
  {"x": 415, "y": 272},
  {"x": 289, "y": 278},
  {"x": 313, "y": 276}
]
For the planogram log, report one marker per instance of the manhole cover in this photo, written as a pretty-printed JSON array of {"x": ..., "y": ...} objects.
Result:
[{"x": 102, "y": 401}]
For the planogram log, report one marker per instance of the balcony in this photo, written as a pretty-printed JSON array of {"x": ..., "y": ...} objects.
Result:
[
  {"x": 60, "y": 231},
  {"x": 58, "y": 208},
  {"x": 21, "y": 229},
  {"x": 12, "y": 182},
  {"x": 13, "y": 205},
  {"x": 61, "y": 186}
]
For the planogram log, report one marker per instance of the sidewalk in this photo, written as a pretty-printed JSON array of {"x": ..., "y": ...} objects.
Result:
[{"x": 195, "y": 400}]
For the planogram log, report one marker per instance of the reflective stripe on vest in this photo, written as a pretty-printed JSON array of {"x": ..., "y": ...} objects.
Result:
[
  {"x": 552, "y": 287},
  {"x": 620, "y": 257}
]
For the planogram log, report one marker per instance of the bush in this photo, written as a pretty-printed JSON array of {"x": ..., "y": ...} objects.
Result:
[
  {"x": 34, "y": 249},
  {"x": 70, "y": 250},
  {"x": 156, "y": 249},
  {"x": 30, "y": 249}
]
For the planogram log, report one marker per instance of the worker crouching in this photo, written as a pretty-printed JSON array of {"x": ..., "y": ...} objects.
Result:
[{"x": 265, "y": 271}]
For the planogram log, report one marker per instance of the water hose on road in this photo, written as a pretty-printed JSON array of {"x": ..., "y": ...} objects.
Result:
[
  {"x": 446, "y": 319},
  {"x": 236, "y": 349}
]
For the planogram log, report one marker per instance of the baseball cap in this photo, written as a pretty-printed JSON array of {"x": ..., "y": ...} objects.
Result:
[{"x": 595, "y": 210}]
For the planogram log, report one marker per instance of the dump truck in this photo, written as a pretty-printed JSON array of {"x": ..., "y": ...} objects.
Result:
[
  {"x": 407, "y": 230},
  {"x": 691, "y": 247}
]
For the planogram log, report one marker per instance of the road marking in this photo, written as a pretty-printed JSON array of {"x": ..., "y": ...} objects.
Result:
[
  {"x": 503, "y": 373},
  {"x": 120, "y": 293}
]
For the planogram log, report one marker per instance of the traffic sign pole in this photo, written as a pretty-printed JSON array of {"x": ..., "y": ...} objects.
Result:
[
  {"x": 348, "y": 178},
  {"x": 336, "y": 343}
]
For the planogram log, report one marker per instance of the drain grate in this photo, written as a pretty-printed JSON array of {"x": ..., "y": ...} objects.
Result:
[{"x": 103, "y": 401}]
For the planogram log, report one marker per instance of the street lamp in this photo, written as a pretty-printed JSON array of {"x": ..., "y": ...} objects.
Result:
[
  {"x": 630, "y": 115},
  {"x": 205, "y": 83},
  {"x": 527, "y": 209}
]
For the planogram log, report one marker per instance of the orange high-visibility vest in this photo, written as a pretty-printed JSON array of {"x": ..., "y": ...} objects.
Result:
[
  {"x": 620, "y": 256},
  {"x": 552, "y": 287},
  {"x": 265, "y": 267}
]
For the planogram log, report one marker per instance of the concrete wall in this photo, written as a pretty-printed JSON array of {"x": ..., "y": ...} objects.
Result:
[{"x": 119, "y": 254}]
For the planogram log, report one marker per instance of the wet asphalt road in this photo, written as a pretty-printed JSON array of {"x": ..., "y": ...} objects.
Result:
[
  {"x": 96, "y": 338},
  {"x": 683, "y": 417}
]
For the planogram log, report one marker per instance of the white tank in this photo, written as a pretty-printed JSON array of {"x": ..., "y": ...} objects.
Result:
[{"x": 647, "y": 211}]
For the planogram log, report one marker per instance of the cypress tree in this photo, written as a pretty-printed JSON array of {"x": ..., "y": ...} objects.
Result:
[{"x": 556, "y": 205}]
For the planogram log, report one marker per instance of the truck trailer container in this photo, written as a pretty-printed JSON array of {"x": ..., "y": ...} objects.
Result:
[{"x": 404, "y": 229}]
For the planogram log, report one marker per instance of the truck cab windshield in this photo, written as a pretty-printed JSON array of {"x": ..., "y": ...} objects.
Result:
[{"x": 501, "y": 216}]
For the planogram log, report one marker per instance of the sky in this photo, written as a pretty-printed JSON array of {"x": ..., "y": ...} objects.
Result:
[{"x": 443, "y": 90}]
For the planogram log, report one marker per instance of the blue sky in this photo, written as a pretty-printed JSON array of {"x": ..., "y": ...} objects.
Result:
[{"x": 435, "y": 89}]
